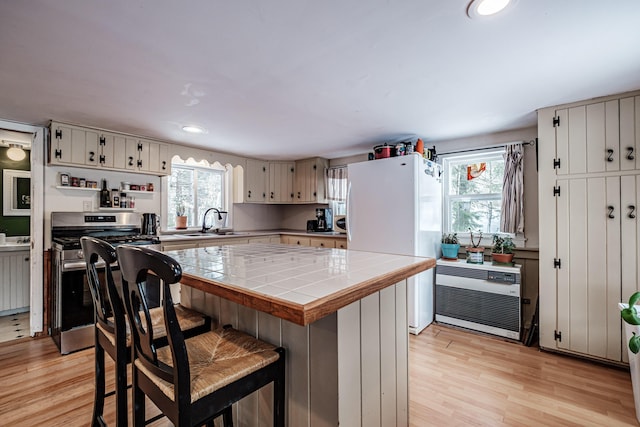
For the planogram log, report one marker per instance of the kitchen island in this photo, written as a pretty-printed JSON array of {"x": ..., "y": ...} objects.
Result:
[{"x": 340, "y": 314}]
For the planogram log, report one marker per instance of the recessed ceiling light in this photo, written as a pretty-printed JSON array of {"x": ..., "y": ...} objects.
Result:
[
  {"x": 192, "y": 129},
  {"x": 481, "y": 8}
]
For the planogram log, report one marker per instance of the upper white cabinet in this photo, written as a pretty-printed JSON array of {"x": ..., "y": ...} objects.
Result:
[
  {"x": 78, "y": 146},
  {"x": 281, "y": 182},
  {"x": 589, "y": 192},
  {"x": 257, "y": 180},
  {"x": 285, "y": 182},
  {"x": 309, "y": 183}
]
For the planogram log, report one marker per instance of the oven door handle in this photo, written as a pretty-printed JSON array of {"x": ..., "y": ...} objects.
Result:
[{"x": 81, "y": 265}]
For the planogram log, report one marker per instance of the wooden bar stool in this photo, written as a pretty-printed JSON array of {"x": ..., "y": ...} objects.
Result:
[
  {"x": 192, "y": 380},
  {"x": 111, "y": 329}
]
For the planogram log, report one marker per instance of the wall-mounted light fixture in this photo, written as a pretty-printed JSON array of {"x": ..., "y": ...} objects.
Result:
[{"x": 15, "y": 152}]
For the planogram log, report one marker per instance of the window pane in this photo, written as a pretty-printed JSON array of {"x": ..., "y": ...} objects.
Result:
[
  {"x": 181, "y": 194},
  {"x": 479, "y": 215},
  {"x": 209, "y": 184},
  {"x": 488, "y": 182}
]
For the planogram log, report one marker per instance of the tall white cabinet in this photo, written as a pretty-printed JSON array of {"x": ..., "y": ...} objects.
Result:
[{"x": 589, "y": 192}]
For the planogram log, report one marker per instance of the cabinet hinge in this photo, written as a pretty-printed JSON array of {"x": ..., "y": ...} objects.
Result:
[
  {"x": 557, "y": 263},
  {"x": 557, "y": 336},
  {"x": 139, "y": 163},
  {"x": 556, "y": 121},
  {"x": 556, "y": 163},
  {"x": 103, "y": 141},
  {"x": 57, "y": 154},
  {"x": 58, "y": 134},
  {"x": 556, "y": 191},
  {"x": 102, "y": 159}
]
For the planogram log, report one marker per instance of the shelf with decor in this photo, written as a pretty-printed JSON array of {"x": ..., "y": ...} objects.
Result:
[
  {"x": 117, "y": 209},
  {"x": 68, "y": 187}
]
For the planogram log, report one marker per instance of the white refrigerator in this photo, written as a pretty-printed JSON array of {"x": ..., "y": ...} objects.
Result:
[{"x": 394, "y": 206}]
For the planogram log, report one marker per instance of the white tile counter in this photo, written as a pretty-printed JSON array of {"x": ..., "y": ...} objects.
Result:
[
  {"x": 340, "y": 314},
  {"x": 295, "y": 283}
]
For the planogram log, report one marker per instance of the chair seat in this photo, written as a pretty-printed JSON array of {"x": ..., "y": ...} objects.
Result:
[
  {"x": 187, "y": 318},
  {"x": 216, "y": 359}
]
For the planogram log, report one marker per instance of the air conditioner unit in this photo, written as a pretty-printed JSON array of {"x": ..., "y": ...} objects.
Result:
[{"x": 482, "y": 297}]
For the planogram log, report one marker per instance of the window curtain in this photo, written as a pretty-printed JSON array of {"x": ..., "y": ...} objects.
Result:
[
  {"x": 512, "y": 215},
  {"x": 337, "y": 184}
]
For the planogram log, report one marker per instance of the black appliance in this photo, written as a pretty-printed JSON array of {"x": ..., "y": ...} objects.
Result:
[
  {"x": 72, "y": 313},
  {"x": 150, "y": 222},
  {"x": 312, "y": 225},
  {"x": 324, "y": 216}
]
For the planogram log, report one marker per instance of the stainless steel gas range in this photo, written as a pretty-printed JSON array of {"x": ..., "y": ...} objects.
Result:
[{"x": 72, "y": 314}]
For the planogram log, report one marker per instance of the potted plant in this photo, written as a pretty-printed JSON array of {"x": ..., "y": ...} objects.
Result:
[
  {"x": 450, "y": 246},
  {"x": 475, "y": 252},
  {"x": 502, "y": 250},
  {"x": 629, "y": 314},
  {"x": 181, "y": 218}
]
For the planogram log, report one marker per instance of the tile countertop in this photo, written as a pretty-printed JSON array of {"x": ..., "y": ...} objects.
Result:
[
  {"x": 297, "y": 283},
  {"x": 196, "y": 235}
]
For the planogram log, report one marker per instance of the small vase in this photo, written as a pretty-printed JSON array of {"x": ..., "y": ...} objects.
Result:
[
  {"x": 181, "y": 222},
  {"x": 450, "y": 251},
  {"x": 475, "y": 255},
  {"x": 634, "y": 361}
]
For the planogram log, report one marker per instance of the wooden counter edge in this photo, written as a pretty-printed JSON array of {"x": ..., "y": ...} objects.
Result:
[{"x": 308, "y": 313}]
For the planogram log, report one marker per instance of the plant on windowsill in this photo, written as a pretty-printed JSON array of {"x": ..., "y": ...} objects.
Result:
[
  {"x": 475, "y": 252},
  {"x": 181, "y": 218},
  {"x": 450, "y": 246},
  {"x": 502, "y": 250},
  {"x": 629, "y": 314}
]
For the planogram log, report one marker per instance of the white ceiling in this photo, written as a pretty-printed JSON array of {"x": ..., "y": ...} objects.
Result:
[{"x": 288, "y": 79}]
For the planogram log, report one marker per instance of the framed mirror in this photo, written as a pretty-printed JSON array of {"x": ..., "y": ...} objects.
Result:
[{"x": 16, "y": 192}]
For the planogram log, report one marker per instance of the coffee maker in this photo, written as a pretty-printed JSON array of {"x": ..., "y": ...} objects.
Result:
[{"x": 324, "y": 216}]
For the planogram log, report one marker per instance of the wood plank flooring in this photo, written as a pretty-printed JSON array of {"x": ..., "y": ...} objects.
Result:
[
  {"x": 456, "y": 379},
  {"x": 459, "y": 378}
]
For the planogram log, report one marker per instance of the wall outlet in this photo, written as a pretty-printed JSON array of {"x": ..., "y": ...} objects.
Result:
[{"x": 87, "y": 206}]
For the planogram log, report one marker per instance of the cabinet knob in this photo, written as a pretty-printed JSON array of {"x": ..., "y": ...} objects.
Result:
[
  {"x": 130, "y": 161},
  {"x": 272, "y": 194},
  {"x": 630, "y": 154},
  {"x": 92, "y": 156},
  {"x": 609, "y": 155},
  {"x": 632, "y": 211},
  {"x": 249, "y": 194},
  {"x": 611, "y": 209}
]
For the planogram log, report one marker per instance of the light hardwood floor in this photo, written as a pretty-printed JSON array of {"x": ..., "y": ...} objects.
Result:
[{"x": 456, "y": 379}]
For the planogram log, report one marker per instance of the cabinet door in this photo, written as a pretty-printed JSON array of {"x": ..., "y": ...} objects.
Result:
[
  {"x": 131, "y": 154},
  {"x": 256, "y": 177},
  {"x": 588, "y": 280},
  {"x": 159, "y": 158},
  {"x": 14, "y": 280},
  {"x": 630, "y": 132},
  {"x": 629, "y": 238},
  {"x": 587, "y": 138},
  {"x": 60, "y": 144},
  {"x": 322, "y": 243},
  {"x": 302, "y": 181},
  {"x": 92, "y": 153},
  {"x": 281, "y": 182},
  {"x": 106, "y": 148}
]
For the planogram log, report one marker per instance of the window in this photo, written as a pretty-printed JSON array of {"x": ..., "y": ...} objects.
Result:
[
  {"x": 194, "y": 189},
  {"x": 337, "y": 189},
  {"x": 473, "y": 191}
]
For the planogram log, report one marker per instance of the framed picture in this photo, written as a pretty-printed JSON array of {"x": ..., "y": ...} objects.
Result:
[{"x": 16, "y": 195}]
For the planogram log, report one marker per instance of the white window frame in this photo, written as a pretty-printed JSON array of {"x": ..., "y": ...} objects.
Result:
[
  {"x": 470, "y": 158},
  {"x": 204, "y": 165}
]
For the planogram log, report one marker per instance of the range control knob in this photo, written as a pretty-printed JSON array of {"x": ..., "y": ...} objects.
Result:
[{"x": 80, "y": 254}]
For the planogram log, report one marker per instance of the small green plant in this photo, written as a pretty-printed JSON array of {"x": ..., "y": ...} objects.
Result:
[
  {"x": 502, "y": 244},
  {"x": 450, "y": 238},
  {"x": 630, "y": 315},
  {"x": 471, "y": 238},
  {"x": 180, "y": 209}
]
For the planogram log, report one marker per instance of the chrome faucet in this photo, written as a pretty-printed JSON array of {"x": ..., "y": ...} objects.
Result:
[{"x": 204, "y": 219}]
